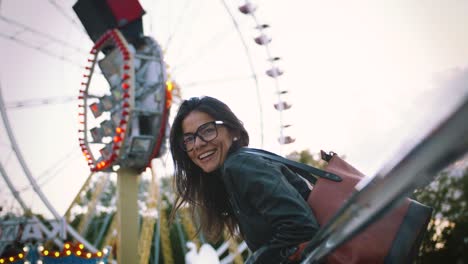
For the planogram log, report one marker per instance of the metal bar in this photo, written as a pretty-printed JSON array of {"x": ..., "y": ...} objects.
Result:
[
  {"x": 40, "y": 102},
  {"x": 419, "y": 165},
  {"x": 91, "y": 212},
  {"x": 13, "y": 190},
  {"x": 77, "y": 197},
  {"x": 21, "y": 160},
  {"x": 26, "y": 209},
  {"x": 105, "y": 227},
  {"x": 42, "y": 34},
  {"x": 80, "y": 239},
  {"x": 156, "y": 238},
  {"x": 40, "y": 48},
  {"x": 159, "y": 208}
]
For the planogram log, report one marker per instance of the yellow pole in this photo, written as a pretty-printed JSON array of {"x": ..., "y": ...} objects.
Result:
[
  {"x": 165, "y": 236},
  {"x": 187, "y": 222},
  {"x": 147, "y": 226},
  {"x": 127, "y": 215},
  {"x": 77, "y": 197},
  {"x": 233, "y": 248}
]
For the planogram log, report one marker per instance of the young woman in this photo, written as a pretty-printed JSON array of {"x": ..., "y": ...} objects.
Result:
[{"x": 260, "y": 200}]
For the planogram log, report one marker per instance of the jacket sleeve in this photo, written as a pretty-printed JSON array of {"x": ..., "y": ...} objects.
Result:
[{"x": 262, "y": 183}]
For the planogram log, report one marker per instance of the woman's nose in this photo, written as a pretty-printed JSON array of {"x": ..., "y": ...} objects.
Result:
[{"x": 199, "y": 142}]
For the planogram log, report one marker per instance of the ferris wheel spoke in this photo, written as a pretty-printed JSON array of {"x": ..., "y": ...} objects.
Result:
[
  {"x": 209, "y": 46},
  {"x": 60, "y": 166},
  {"x": 41, "y": 50},
  {"x": 37, "y": 33},
  {"x": 62, "y": 11},
  {"x": 216, "y": 81},
  {"x": 177, "y": 25},
  {"x": 14, "y": 191},
  {"x": 45, "y": 177},
  {"x": 41, "y": 102},
  {"x": 194, "y": 17}
]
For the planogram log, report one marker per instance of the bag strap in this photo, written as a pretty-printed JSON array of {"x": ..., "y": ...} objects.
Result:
[{"x": 295, "y": 166}]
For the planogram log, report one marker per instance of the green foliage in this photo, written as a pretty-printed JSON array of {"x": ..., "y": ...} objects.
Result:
[
  {"x": 108, "y": 194},
  {"x": 447, "y": 237},
  {"x": 306, "y": 157}
]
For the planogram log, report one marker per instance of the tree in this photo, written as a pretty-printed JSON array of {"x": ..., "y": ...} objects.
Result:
[
  {"x": 447, "y": 237},
  {"x": 306, "y": 157}
]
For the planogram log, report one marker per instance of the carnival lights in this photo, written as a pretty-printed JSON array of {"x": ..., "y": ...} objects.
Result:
[{"x": 129, "y": 121}]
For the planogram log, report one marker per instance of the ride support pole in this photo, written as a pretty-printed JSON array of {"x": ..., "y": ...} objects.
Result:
[{"x": 127, "y": 213}]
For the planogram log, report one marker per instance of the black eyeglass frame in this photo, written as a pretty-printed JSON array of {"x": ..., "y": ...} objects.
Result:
[{"x": 196, "y": 134}]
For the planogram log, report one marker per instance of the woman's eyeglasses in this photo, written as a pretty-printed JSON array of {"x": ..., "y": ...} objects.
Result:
[{"x": 206, "y": 132}]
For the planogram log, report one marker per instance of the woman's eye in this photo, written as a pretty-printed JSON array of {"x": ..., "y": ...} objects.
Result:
[
  {"x": 188, "y": 139},
  {"x": 208, "y": 130}
]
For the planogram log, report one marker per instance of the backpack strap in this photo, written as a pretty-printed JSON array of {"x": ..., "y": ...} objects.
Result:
[{"x": 306, "y": 170}]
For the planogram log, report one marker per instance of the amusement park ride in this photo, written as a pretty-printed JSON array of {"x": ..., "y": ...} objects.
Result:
[{"x": 124, "y": 106}]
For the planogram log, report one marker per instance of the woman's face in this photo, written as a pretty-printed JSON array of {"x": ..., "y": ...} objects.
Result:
[{"x": 209, "y": 156}]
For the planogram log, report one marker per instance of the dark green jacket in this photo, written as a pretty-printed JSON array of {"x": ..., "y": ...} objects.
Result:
[{"x": 268, "y": 200}]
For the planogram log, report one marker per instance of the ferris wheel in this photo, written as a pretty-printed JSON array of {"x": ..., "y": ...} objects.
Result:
[{"x": 208, "y": 48}]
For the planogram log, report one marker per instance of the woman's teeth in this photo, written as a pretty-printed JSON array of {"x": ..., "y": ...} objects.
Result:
[{"x": 206, "y": 154}]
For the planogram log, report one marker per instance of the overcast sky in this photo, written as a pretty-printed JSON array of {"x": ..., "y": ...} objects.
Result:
[{"x": 364, "y": 77}]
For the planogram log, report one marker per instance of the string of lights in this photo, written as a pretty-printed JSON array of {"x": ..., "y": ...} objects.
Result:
[{"x": 71, "y": 253}]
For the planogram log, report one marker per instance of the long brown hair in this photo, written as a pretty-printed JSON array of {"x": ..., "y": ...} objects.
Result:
[{"x": 204, "y": 192}]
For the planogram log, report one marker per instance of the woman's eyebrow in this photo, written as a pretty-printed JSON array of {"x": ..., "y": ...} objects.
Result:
[{"x": 188, "y": 134}]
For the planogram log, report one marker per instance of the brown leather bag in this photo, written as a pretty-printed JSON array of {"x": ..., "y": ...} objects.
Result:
[
  {"x": 384, "y": 241},
  {"x": 394, "y": 238}
]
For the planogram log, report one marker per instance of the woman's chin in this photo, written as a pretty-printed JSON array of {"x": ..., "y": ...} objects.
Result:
[
  {"x": 209, "y": 165},
  {"x": 208, "y": 169}
]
